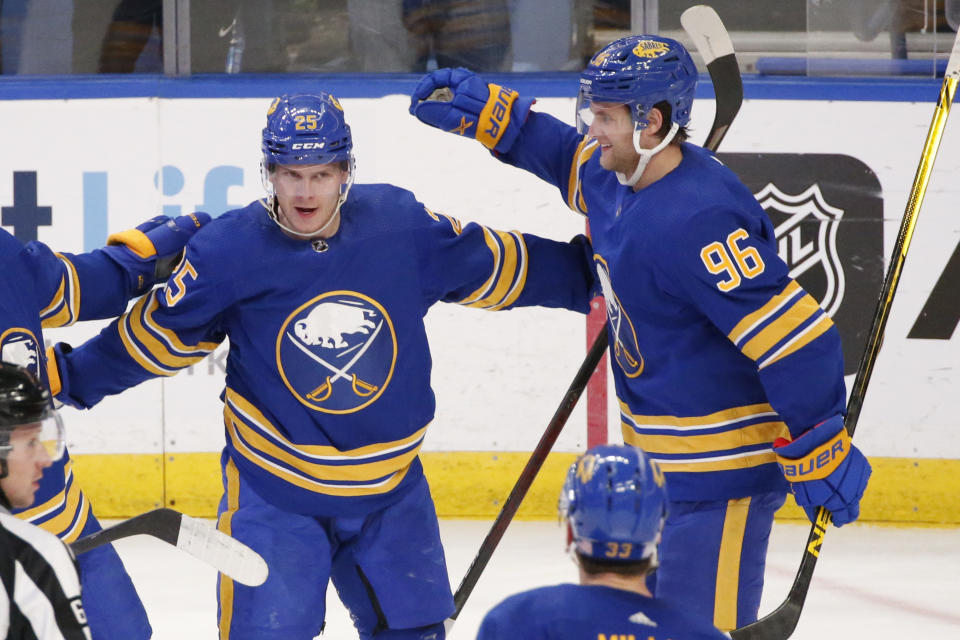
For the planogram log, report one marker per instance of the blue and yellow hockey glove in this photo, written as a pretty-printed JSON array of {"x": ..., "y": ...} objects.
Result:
[
  {"x": 459, "y": 101},
  {"x": 825, "y": 469},
  {"x": 150, "y": 252}
]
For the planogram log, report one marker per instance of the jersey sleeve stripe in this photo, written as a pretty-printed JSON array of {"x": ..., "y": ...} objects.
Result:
[
  {"x": 135, "y": 352},
  {"x": 156, "y": 349},
  {"x": 64, "y": 308},
  {"x": 584, "y": 151},
  {"x": 64, "y": 514},
  {"x": 787, "y": 322},
  {"x": 519, "y": 272},
  {"x": 494, "y": 247},
  {"x": 751, "y": 322},
  {"x": 509, "y": 273},
  {"x": 805, "y": 337},
  {"x": 168, "y": 336}
]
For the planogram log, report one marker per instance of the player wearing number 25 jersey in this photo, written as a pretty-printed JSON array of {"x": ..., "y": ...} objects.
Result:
[
  {"x": 322, "y": 290},
  {"x": 719, "y": 357}
]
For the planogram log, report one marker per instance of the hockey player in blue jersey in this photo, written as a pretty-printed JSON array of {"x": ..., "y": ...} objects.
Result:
[
  {"x": 42, "y": 289},
  {"x": 727, "y": 372},
  {"x": 614, "y": 503},
  {"x": 321, "y": 289}
]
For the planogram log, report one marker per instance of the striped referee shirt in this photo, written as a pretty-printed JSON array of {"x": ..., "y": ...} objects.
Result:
[{"x": 41, "y": 599}]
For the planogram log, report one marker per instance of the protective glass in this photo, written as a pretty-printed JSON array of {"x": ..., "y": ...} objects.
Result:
[{"x": 47, "y": 433}]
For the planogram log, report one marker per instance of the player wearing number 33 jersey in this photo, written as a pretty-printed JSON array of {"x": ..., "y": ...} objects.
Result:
[{"x": 716, "y": 351}]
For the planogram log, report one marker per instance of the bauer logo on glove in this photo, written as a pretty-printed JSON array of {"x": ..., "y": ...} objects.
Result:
[{"x": 458, "y": 101}]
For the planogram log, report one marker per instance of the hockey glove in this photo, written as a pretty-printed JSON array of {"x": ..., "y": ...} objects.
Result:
[
  {"x": 150, "y": 252},
  {"x": 825, "y": 469},
  {"x": 57, "y": 375},
  {"x": 459, "y": 101}
]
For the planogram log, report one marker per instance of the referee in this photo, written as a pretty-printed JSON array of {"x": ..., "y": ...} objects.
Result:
[{"x": 41, "y": 587}]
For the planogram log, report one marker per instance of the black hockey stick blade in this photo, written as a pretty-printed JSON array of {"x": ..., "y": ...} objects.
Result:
[
  {"x": 781, "y": 622},
  {"x": 704, "y": 26},
  {"x": 710, "y": 22},
  {"x": 226, "y": 554}
]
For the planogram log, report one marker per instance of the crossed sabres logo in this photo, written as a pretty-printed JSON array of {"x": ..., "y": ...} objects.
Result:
[
  {"x": 801, "y": 254},
  {"x": 336, "y": 353}
]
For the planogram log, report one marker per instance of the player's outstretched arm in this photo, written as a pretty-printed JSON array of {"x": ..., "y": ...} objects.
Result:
[
  {"x": 99, "y": 284},
  {"x": 825, "y": 469},
  {"x": 165, "y": 331}
]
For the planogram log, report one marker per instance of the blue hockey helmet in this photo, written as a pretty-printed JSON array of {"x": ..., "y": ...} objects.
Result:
[
  {"x": 615, "y": 501},
  {"x": 306, "y": 129},
  {"x": 639, "y": 71}
]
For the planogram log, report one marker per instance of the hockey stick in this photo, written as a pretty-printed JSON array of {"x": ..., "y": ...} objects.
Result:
[
  {"x": 227, "y": 555},
  {"x": 705, "y": 27},
  {"x": 780, "y": 623}
]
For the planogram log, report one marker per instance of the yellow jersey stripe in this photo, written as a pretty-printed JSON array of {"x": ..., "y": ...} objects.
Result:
[
  {"x": 799, "y": 341},
  {"x": 780, "y": 328},
  {"x": 59, "y": 525},
  {"x": 295, "y": 479},
  {"x": 746, "y": 460},
  {"x": 728, "y": 564},
  {"x": 224, "y": 524},
  {"x": 358, "y": 472},
  {"x": 494, "y": 247},
  {"x": 710, "y": 421},
  {"x": 54, "y": 503},
  {"x": 171, "y": 338},
  {"x": 55, "y": 302},
  {"x": 758, "y": 317},
  {"x": 77, "y": 529},
  {"x": 154, "y": 347},
  {"x": 134, "y": 351},
  {"x": 585, "y": 149},
  {"x": 253, "y": 417},
  {"x": 519, "y": 273},
  {"x": 754, "y": 434},
  {"x": 507, "y": 267}
]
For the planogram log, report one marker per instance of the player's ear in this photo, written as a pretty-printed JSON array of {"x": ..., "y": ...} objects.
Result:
[{"x": 655, "y": 120}]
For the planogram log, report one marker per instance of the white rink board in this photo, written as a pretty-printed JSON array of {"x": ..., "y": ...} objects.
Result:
[{"x": 498, "y": 377}]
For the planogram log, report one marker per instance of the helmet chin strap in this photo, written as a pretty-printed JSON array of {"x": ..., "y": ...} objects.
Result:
[{"x": 645, "y": 155}]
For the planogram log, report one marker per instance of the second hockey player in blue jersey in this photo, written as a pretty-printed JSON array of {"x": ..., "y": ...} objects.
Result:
[
  {"x": 322, "y": 289},
  {"x": 727, "y": 372},
  {"x": 614, "y": 503}
]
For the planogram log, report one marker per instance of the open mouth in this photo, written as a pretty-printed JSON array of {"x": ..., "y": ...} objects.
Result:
[{"x": 305, "y": 212}]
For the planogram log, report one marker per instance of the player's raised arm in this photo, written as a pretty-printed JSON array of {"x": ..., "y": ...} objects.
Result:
[{"x": 461, "y": 102}]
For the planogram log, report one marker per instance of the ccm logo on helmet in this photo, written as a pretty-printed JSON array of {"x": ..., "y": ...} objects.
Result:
[{"x": 307, "y": 145}]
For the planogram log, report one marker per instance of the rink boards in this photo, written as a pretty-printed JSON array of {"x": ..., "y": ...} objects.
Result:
[{"x": 832, "y": 161}]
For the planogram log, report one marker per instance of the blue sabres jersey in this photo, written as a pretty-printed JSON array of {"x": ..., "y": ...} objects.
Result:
[
  {"x": 328, "y": 395},
  {"x": 589, "y": 612},
  {"x": 42, "y": 289},
  {"x": 716, "y": 351}
]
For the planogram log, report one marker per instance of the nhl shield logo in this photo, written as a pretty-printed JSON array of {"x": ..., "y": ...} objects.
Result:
[
  {"x": 19, "y": 346},
  {"x": 336, "y": 353},
  {"x": 806, "y": 228}
]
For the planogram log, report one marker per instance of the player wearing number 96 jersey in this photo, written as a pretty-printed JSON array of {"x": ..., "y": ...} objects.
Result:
[{"x": 719, "y": 357}]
